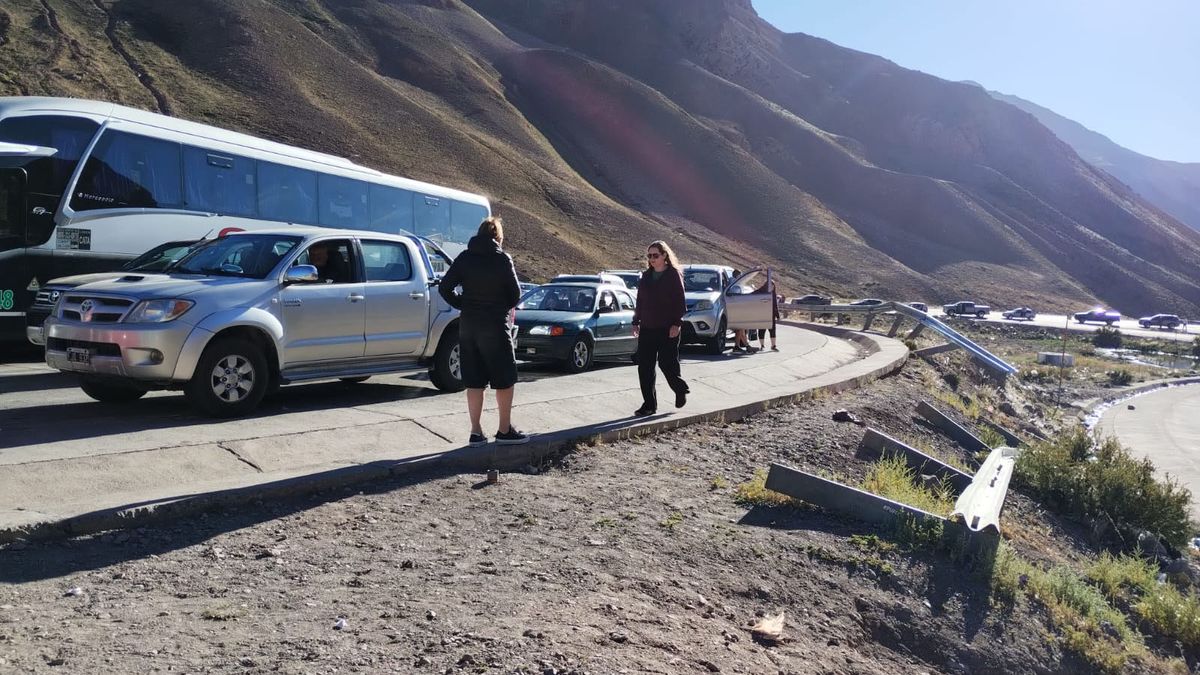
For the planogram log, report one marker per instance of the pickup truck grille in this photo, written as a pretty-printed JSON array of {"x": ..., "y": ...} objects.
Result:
[{"x": 94, "y": 309}]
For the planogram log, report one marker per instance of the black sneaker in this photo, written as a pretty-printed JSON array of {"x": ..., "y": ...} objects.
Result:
[
  {"x": 477, "y": 440},
  {"x": 681, "y": 399},
  {"x": 511, "y": 437},
  {"x": 643, "y": 412}
]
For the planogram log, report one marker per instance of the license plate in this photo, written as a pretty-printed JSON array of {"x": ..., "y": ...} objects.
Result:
[
  {"x": 79, "y": 355},
  {"x": 530, "y": 350}
]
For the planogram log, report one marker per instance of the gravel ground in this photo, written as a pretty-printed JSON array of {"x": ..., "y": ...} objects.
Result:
[{"x": 624, "y": 558}]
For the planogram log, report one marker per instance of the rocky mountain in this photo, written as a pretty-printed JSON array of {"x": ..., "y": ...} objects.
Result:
[
  {"x": 1172, "y": 186},
  {"x": 598, "y": 126}
]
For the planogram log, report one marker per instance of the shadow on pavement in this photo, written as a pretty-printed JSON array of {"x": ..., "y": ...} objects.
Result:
[{"x": 23, "y": 382}]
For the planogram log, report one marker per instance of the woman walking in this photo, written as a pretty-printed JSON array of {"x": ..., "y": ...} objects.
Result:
[
  {"x": 489, "y": 292},
  {"x": 657, "y": 322}
]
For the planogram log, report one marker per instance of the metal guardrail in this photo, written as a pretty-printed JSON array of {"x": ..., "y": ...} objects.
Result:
[
  {"x": 834, "y": 496},
  {"x": 917, "y": 460},
  {"x": 954, "y": 430},
  {"x": 979, "y": 505},
  {"x": 923, "y": 319}
]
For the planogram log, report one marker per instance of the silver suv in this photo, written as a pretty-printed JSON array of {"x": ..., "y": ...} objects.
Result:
[
  {"x": 243, "y": 314},
  {"x": 704, "y": 292}
]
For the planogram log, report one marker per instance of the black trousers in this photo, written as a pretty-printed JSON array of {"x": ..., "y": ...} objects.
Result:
[{"x": 656, "y": 347}]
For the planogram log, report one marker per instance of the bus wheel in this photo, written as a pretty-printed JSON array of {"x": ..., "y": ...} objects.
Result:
[
  {"x": 110, "y": 393},
  {"x": 230, "y": 380},
  {"x": 446, "y": 373}
]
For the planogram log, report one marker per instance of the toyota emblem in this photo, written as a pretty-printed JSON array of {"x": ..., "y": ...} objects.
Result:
[{"x": 85, "y": 310}]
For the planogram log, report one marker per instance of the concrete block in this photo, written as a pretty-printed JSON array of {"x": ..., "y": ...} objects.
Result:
[{"x": 1056, "y": 359}]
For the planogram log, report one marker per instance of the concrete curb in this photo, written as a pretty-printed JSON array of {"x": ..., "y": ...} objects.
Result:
[{"x": 544, "y": 447}]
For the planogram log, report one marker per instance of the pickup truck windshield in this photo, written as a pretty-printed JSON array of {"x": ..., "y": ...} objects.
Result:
[{"x": 242, "y": 255}]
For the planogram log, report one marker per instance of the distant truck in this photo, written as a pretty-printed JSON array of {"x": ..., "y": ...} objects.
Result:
[
  {"x": 964, "y": 308},
  {"x": 1099, "y": 315}
]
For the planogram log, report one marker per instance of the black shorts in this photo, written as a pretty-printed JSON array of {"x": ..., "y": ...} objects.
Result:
[{"x": 487, "y": 354}]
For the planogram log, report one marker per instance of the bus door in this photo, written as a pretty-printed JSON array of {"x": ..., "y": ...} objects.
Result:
[{"x": 15, "y": 288}]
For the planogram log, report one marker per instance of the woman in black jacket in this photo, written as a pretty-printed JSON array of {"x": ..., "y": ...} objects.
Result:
[
  {"x": 657, "y": 323},
  {"x": 489, "y": 293}
]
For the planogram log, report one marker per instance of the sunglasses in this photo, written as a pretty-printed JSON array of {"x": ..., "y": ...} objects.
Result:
[{"x": 652, "y": 256}]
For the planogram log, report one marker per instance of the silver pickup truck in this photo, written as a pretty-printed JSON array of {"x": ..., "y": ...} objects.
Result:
[{"x": 243, "y": 314}]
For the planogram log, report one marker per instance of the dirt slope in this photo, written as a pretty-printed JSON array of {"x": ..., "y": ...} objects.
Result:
[{"x": 598, "y": 126}]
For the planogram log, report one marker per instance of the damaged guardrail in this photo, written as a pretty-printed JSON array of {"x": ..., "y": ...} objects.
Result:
[
  {"x": 980, "y": 504},
  {"x": 919, "y": 461},
  {"x": 839, "y": 498},
  {"x": 924, "y": 320}
]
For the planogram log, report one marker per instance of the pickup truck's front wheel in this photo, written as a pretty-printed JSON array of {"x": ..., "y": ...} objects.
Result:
[
  {"x": 446, "y": 373},
  {"x": 110, "y": 393},
  {"x": 230, "y": 380}
]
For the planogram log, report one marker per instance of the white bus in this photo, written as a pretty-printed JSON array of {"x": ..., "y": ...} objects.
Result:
[{"x": 86, "y": 186}]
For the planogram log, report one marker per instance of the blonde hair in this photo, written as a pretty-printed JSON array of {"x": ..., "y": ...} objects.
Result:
[
  {"x": 668, "y": 254},
  {"x": 493, "y": 227}
]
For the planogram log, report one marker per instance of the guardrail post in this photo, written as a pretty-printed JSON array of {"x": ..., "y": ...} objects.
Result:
[
  {"x": 839, "y": 498},
  {"x": 896, "y": 325},
  {"x": 966, "y": 439},
  {"x": 867, "y": 323},
  {"x": 912, "y": 334},
  {"x": 920, "y": 462}
]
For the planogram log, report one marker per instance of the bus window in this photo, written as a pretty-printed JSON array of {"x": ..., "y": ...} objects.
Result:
[
  {"x": 127, "y": 170},
  {"x": 464, "y": 220},
  {"x": 343, "y": 202},
  {"x": 391, "y": 209},
  {"x": 218, "y": 182},
  {"x": 286, "y": 193},
  {"x": 431, "y": 215}
]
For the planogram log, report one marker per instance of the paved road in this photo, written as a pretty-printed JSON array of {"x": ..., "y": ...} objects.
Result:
[
  {"x": 1164, "y": 426},
  {"x": 62, "y": 454},
  {"x": 1127, "y": 326}
]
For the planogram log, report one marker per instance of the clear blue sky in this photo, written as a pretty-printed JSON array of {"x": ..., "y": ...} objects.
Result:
[{"x": 1127, "y": 69}]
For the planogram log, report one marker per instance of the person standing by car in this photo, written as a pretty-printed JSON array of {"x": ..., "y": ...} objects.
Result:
[
  {"x": 657, "y": 323},
  {"x": 490, "y": 291},
  {"x": 769, "y": 287}
]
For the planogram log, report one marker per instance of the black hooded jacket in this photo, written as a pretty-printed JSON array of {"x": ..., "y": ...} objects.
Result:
[{"x": 488, "y": 280}]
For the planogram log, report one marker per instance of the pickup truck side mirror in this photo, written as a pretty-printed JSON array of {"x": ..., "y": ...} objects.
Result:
[
  {"x": 436, "y": 281},
  {"x": 301, "y": 274}
]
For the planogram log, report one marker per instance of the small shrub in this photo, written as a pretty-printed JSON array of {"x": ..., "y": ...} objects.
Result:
[
  {"x": 1119, "y": 377},
  {"x": 991, "y": 437},
  {"x": 951, "y": 379},
  {"x": 1088, "y": 350},
  {"x": 672, "y": 520},
  {"x": 754, "y": 492},
  {"x": 1122, "y": 577},
  {"x": 1087, "y": 482},
  {"x": 1171, "y": 613},
  {"x": 968, "y": 407},
  {"x": 892, "y": 478},
  {"x": 1036, "y": 375},
  {"x": 1107, "y": 337}
]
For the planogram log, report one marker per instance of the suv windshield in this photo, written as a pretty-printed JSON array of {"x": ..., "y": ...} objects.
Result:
[
  {"x": 160, "y": 257},
  {"x": 701, "y": 281},
  {"x": 239, "y": 255},
  {"x": 560, "y": 299}
]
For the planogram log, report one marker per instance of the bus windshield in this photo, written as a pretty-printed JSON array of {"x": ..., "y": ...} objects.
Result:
[
  {"x": 246, "y": 255},
  {"x": 48, "y": 176},
  {"x": 12, "y": 209}
]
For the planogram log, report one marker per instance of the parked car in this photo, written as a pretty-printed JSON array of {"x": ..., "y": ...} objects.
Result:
[
  {"x": 1100, "y": 315},
  {"x": 1168, "y": 321},
  {"x": 867, "y": 302},
  {"x": 242, "y": 314},
  {"x": 601, "y": 278},
  {"x": 575, "y": 324},
  {"x": 156, "y": 259},
  {"x": 966, "y": 308},
  {"x": 526, "y": 287},
  {"x": 919, "y": 306},
  {"x": 1020, "y": 314},
  {"x": 812, "y": 299},
  {"x": 706, "y": 322},
  {"x": 630, "y": 277}
]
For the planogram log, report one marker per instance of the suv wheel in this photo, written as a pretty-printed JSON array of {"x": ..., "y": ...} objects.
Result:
[
  {"x": 446, "y": 373},
  {"x": 716, "y": 344},
  {"x": 110, "y": 393},
  {"x": 230, "y": 380},
  {"x": 579, "y": 358}
]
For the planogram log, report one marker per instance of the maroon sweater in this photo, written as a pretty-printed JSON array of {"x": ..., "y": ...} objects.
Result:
[{"x": 660, "y": 304}]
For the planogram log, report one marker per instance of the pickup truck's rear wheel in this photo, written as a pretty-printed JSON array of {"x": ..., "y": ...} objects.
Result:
[
  {"x": 446, "y": 373},
  {"x": 106, "y": 392},
  {"x": 230, "y": 380}
]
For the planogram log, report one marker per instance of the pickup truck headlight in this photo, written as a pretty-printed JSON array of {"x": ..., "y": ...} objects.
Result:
[
  {"x": 546, "y": 330},
  {"x": 702, "y": 305},
  {"x": 158, "y": 311}
]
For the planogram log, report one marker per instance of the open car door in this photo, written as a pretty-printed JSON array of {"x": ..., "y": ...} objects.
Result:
[{"x": 748, "y": 301}]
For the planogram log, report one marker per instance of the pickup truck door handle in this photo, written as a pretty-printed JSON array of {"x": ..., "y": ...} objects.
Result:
[
  {"x": 355, "y": 297},
  {"x": 416, "y": 295}
]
